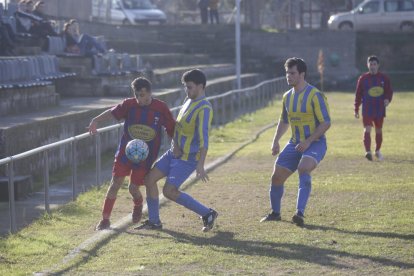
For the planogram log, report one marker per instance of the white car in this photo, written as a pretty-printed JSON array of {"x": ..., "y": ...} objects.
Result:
[
  {"x": 129, "y": 12},
  {"x": 378, "y": 15}
]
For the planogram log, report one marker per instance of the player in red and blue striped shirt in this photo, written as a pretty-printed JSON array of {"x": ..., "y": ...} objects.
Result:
[
  {"x": 374, "y": 92},
  {"x": 144, "y": 118}
]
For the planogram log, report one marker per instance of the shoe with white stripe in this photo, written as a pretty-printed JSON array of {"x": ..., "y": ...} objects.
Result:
[{"x": 208, "y": 220}]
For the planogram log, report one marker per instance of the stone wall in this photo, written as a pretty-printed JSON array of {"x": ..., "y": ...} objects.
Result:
[{"x": 338, "y": 48}]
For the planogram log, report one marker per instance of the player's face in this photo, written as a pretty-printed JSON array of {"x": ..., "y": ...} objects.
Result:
[
  {"x": 373, "y": 67},
  {"x": 193, "y": 90},
  {"x": 293, "y": 77},
  {"x": 143, "y": 97}
]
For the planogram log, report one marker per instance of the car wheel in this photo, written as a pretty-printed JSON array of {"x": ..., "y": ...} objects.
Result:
[
  {"x": 346, "y": 26},
  {"x": 126, "y": 22},
  {"x": 407, "y": 26}
]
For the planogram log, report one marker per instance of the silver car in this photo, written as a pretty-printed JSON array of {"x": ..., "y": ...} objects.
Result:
[
  {"x": 128, "y": 12},
  {"x": 378, "y": 15}
]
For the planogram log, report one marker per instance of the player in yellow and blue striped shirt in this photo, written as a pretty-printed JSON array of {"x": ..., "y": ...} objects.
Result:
[
  {"x": 187, "y": 154},
  {"x": 306, "y": 110}
]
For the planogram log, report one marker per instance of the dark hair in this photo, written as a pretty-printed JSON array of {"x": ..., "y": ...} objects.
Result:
[
  {"x": 373, "y": 58},
  {"x": 298, "y": 62},
  {"x": 140, "y": 83},
  {"x": 196, "y": 76}
]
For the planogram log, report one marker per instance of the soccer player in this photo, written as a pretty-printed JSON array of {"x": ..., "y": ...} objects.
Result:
[
  {"x": 187, "y": 154},
  {"x": 306, "y": 110},
  {"x": 144, "y": 118},
  {"x": 375, "y": 93}
]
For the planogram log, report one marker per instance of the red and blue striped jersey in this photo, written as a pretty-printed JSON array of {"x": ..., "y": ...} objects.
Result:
[
  {"x": 145, "y": 123},
  {"x": 371, "y": 91}
]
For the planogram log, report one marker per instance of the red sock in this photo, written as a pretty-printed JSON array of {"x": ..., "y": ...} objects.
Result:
[
  {"x": 378, "y": 140},
  {"x": 137, "y": 202},
  {"x": 367, "y": 141},
  {"x": 107, "y": 207}
]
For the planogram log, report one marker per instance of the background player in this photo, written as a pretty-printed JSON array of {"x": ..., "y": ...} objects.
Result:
[
  {"x": 306, "y": 109},
  {"x": 144, "y": 119},
  {"x": 375, "y": 93}
]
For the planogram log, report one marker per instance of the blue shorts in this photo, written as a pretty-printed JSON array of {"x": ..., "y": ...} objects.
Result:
[
  {"x": 176, "y": 170},
  {"x": 289, "y": 158}
]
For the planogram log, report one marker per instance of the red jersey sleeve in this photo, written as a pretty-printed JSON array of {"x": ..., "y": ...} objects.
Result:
[
  {"x": 120, "y": 111},
  {"x": 358, "y": 94}
]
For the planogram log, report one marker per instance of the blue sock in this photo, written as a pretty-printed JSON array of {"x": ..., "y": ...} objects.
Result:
[
  {"x": 190, "y": 203},
  {"x": 153, "y": 210},
  {"x": 305, "y": 187},
  {"x": 276, "y": 193}
]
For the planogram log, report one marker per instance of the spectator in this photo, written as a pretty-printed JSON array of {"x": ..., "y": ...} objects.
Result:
[
  {"x": 203, "y": 5},
  {"x": 27, "y": 22},
  {"x": 78, "y": 43},
  {"x": 23, "y": 19},
  {"x": 213, "y": 5}
]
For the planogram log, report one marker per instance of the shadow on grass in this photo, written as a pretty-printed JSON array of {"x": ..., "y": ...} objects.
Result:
[
  {"x": 363, "y": 233},
  {"x": 226, "y": 242}
]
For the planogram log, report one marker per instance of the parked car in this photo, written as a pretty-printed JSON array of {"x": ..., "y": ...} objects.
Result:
[
  {"x": 384, "y": 15},
  {"x": 129, "y": 12}
]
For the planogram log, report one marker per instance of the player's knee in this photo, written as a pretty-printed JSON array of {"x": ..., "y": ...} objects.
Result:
[
  {"x": 170, "y": 192},
  {"x": 277, "y": 180}
]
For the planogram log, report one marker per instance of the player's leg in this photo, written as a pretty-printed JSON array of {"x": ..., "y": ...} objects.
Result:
[
  {"x": 378, "y": 137},
  {"x": 159, "y": 171},
  {"x": 367, "y": 137},
  {"x": 309, "y": 161},
  {"x": 285, "y": 165},
  {"x": 137, "y": 180},
  {"x": 109, "y": 201},
  {"x": 179, "y": 172}
]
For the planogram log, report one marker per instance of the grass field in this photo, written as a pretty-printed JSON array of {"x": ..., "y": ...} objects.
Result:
[{"x": 359, "y": 221}]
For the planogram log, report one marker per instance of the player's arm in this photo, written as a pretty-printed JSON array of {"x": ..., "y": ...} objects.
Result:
[
  {"x": 104, "y": 116},
  {"x": 319, "y": 131},
  {"x": 358, "y": 98},
  {"x": 204, "y": 117},
  {"x": 387, "y": 91},
  {"x": 281, "y": 129}
]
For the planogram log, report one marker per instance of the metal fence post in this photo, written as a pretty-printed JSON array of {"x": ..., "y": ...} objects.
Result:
[
  {"x": 12, "y": 204},
  {"x": 98, "y": 159},
  {"x": 74, "y": 170},
  {"x": 46, "y": 180}
]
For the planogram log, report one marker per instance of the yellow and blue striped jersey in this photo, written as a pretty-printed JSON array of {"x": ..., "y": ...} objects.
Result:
[
  {"x": 193, "y": 126},
  {"x": 304, "y": 111}
]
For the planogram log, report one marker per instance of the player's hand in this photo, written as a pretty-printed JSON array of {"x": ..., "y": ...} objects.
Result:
[
  {"x": 201, "y": 173},
  {"x": 302, "y": 146},
  {"x": 92, "y": 128},
  {"x": 386, "y": 102},
  {"x": 177, "y": 152},
  {"x": 356, "y": 115},
  {"x": 275, "y": 149}
]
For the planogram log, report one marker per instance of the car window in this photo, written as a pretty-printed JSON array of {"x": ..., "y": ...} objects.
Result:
[
  {"x": 398, "y": 5},
  {"x": 370, "y": 7},
  {"x": 391, "y": 6},
  {"x": 407, "y": 5}
]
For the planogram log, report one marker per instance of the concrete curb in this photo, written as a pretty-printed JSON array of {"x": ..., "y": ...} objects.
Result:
[{"x": 125, "y": 222}]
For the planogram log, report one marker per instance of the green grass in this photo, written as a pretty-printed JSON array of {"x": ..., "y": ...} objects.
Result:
[{"x": 359, "y": 219}]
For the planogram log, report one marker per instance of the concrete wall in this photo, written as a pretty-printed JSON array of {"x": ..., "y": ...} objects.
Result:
[{"x": 339, "y": 49}]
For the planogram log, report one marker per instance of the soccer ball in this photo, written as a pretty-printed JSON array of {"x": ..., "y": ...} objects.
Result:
[{"x": 136, "y": 150}]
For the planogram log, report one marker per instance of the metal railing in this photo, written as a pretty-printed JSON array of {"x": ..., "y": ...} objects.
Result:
[{"x": 226, "y": 108}]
